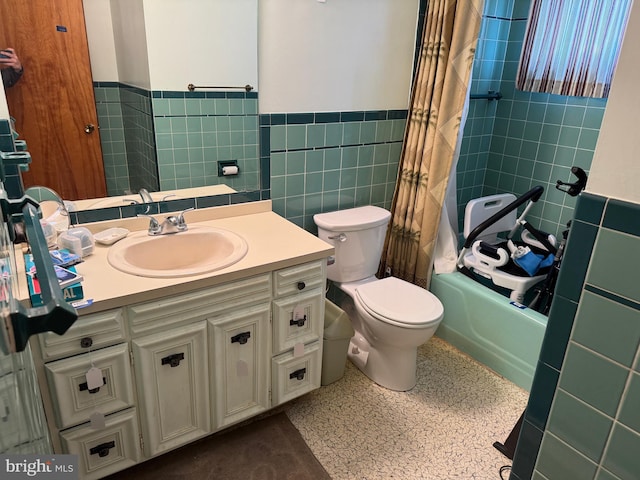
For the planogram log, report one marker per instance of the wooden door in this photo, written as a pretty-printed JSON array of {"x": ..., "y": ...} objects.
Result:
[{"x": 53, "y": 103}]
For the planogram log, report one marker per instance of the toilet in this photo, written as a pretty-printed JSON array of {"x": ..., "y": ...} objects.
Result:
[{"x": 391, "y": 317}]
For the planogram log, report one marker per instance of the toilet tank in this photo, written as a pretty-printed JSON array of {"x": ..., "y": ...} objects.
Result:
[{"x": 358, "y": 237}]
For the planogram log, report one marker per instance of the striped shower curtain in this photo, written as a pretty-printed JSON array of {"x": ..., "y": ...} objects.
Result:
[{"x": 438, "y": 97}]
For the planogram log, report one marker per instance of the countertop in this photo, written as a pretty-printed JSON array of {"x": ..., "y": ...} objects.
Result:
[{"x": 273, "y": 242}]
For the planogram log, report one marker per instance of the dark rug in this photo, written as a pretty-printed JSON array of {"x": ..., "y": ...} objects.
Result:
[{"x": 267, "y": 449}]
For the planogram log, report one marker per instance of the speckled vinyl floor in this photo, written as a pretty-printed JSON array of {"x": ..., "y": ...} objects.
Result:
[{"x": 442, "y": 429}]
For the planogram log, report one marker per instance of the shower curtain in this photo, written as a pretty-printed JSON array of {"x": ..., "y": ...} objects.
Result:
[{"x": 439, "y": 94}]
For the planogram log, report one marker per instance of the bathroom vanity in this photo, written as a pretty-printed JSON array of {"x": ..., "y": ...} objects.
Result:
[{"x": 155, "y": 363}]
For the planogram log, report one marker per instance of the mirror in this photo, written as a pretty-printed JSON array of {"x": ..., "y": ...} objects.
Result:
[
  {"x": 156, "y": 133},
  {"x": 53, "y": 208}
]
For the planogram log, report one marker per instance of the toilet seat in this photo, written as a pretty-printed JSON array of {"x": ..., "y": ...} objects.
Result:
[{"x": 400, "y": 303}]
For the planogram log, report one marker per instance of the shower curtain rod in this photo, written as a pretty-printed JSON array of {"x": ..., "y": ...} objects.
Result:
[{"x": 490, "y": 95}]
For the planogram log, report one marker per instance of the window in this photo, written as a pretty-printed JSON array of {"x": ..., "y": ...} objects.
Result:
[{"x": 571, "y": 47}]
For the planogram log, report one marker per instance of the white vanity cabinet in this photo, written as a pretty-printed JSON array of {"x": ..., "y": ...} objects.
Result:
[
  {"x": 173, "y": 377},
  {"x": 183, "y": 366}
]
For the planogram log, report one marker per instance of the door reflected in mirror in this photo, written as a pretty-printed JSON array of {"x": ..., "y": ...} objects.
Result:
[{"x": 154, "y": 133}]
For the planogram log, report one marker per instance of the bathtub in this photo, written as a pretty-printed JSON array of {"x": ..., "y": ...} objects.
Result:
[{"x": 486, "y": 326}]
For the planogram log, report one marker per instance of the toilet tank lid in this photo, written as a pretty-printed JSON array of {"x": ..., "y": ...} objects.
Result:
[{"x": 351, "y": 219}]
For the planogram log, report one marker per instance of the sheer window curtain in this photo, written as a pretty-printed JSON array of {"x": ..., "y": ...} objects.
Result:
[{"x": 571, "y": 47}]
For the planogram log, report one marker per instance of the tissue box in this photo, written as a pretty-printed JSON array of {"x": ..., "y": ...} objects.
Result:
[{"x": 71, "y": 293}]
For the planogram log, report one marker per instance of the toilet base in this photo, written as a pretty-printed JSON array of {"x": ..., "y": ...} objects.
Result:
[{"x": 389, "y": 367}]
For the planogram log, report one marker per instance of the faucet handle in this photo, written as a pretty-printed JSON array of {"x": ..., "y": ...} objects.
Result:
[
  {"x": 181, "y": 221},
  {"x": 154, "y": 226}
]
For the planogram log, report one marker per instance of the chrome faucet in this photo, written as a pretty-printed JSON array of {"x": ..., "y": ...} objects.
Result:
[
  {"x": 171, "y": 224},
  {"x": 146, "y": 197}
]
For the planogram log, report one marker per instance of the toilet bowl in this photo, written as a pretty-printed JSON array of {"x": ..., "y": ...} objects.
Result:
[{"x": 391, "y": 318}]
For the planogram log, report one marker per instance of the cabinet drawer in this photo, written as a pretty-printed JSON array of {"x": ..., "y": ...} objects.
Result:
[
  {"x": 181, "y": 309},
  {"x": 299, "y": 278},
  {"x": 294, "y": 376},
  {"x": 105, "y": 451},
  {"x": 306, "y": 327},
  {"x": 89, "y": 331},
  {"x": 73, "y": 402}
]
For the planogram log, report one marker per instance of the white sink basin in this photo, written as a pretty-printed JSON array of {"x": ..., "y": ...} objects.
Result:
[{"x": 198, "y": 250}]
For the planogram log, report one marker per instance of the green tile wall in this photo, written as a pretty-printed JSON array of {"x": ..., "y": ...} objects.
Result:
[
  {"x": 6, "y": 137},
  {"x": 582, "y": 419},
  {"x": 114, "y": 150},
  {"x": 331, "y": 160},
  {"x": 196, "y": 130},
  {"x": 139, "y": 138},
  {"x": 167, "y": 140},
  {"x": 524, "y": 139},
  {"x": 12, "y": 179}
]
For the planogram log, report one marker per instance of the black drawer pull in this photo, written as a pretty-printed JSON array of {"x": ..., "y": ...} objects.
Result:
[
  {"x": 86, "y": 342},
  {"x": 299, "y": 321},
  {"x": 298, "y": 374},
  {"x": 85, "y": 386},
  {"x": 173, "y": 360},
  {"x": 301, "y": 285},
  {"x": 103, "y": 449},
  {"x": 241, "y": 338}
]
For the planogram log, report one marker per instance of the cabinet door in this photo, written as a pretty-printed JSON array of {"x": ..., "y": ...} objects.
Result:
[
  {"x": 171, "y": 370},
  {"x": 240, "y": 364}
]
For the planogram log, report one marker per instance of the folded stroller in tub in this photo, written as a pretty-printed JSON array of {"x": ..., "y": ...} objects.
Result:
[{"x": 516, "y": 265}]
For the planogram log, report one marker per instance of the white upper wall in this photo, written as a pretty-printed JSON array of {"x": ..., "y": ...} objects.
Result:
[
  {"x": 204, "y": 42},
  {"x": 4, "y": 109},
  {"x": 102, "y": 47},
  {"x": 302, "y": 56},
  {"x": 165, "y": 45},
  {"x": 130, "y": 42},
  {"x": 336, "y": 55},
  {"x": 615, "y": 170}
]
